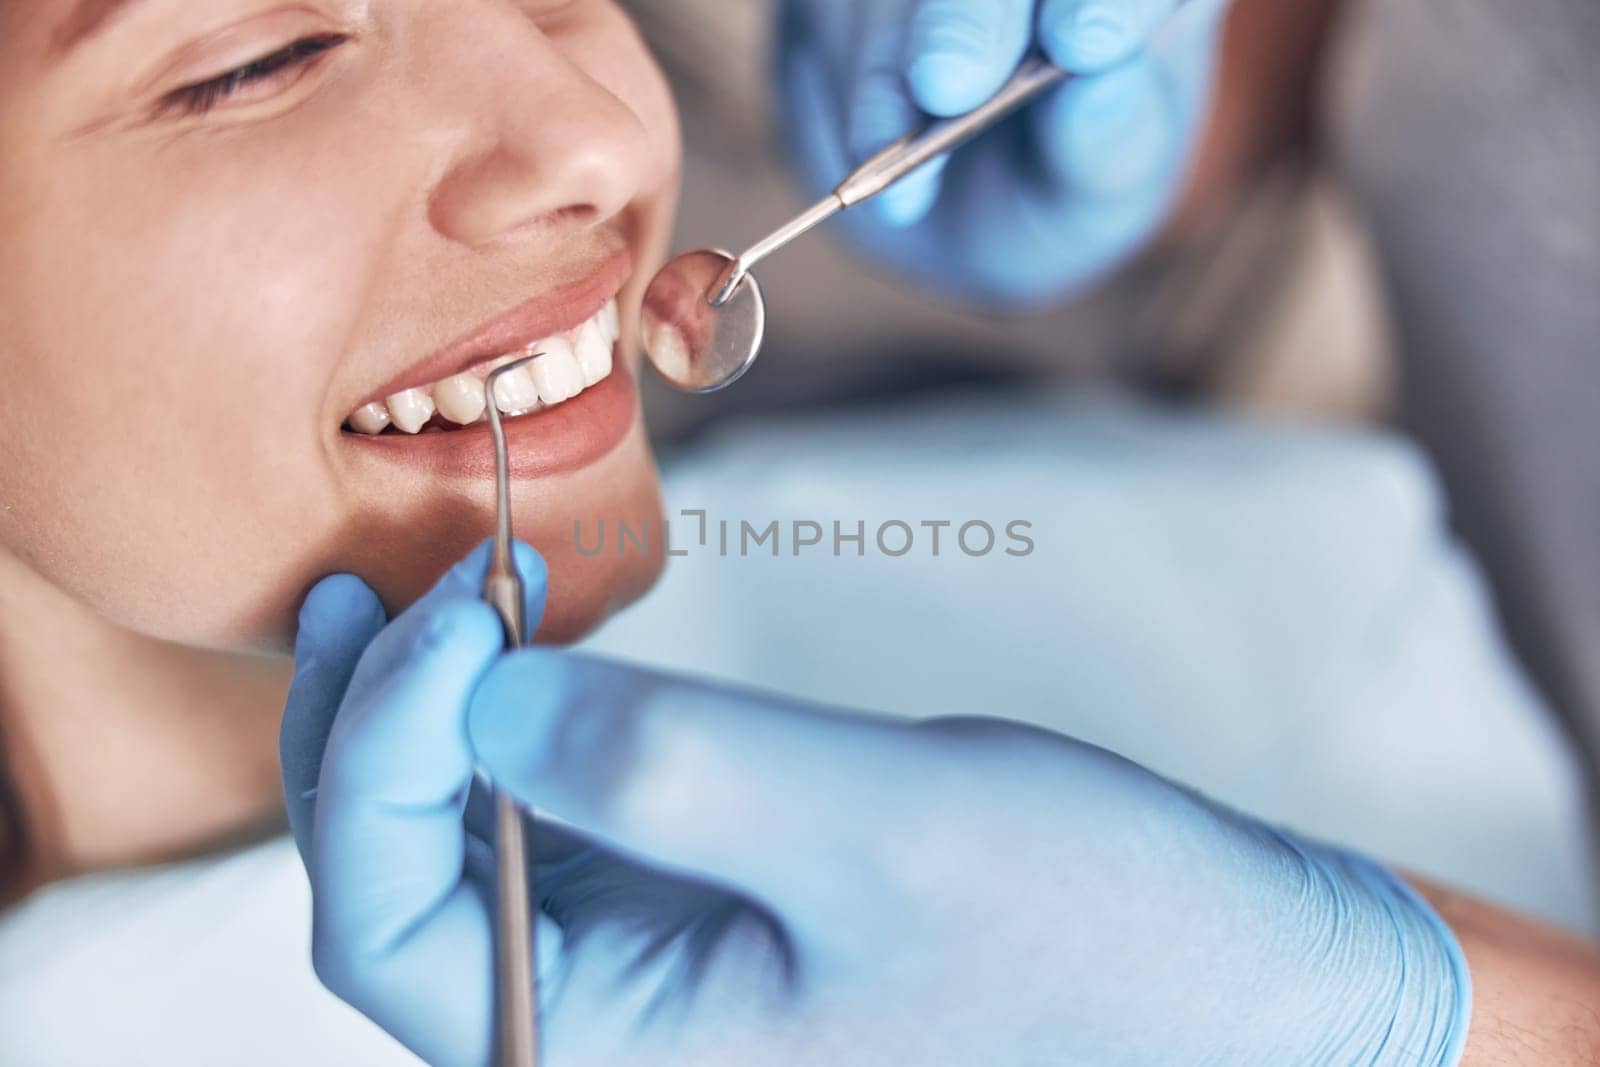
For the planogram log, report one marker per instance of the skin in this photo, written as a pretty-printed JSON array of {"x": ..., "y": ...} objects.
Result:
[
  {"x": 1265, "y": 100},
  {"x": 205, "y": 270},
  {"x": 204, "y": 340},
  {"x": 1535, "y": 991}
]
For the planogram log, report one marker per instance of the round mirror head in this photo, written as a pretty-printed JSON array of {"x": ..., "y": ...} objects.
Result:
[{"x": 696, "y": 347}]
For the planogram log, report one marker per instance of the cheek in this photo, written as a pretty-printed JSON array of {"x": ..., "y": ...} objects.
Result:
[
  {"x": 184, "y": 358},
  {"x": 588, "y": 586},
  {"x": 402, "y": 559}
]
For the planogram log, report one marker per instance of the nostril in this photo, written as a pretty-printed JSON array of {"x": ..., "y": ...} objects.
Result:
[
  {"x": 500, "y": 196},
  {"x": 574, "y": 215},
  {"x": 581, "y": 213}
]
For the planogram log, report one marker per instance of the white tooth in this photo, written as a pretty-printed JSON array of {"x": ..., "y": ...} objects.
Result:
[
  {"x": 611, "y": 320},
  {"x": 371, "y": 419},
  {"x": 556, "y": 373},
  {"x": 411, "y": 409},
  {"x": 515, "y": 393},
  {"x": 460, "y": 399},
  {"x": 667, "y": 349},
  {"x": 593, "y": 349}
]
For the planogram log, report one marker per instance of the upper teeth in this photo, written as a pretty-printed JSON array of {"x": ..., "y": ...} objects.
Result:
[{"x": 568, "y": 364}]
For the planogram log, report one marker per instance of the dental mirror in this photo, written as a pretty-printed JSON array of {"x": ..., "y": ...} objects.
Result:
[
  {"x": 697, "y": 345},
  {"x": 704, "y": 317}
]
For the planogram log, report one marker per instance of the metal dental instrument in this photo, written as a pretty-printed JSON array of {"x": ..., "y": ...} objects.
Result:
[
  {"x": 516, "y": 982},
  {"x": 704, "y": 314}
]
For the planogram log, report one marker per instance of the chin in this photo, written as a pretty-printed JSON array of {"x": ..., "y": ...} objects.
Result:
[
  {"x": 403, "y": 554},
  {"x": 586, "y": 591}
]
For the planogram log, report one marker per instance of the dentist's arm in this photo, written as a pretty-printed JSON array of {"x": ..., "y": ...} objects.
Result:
[{"x": 1536, "y": 991}]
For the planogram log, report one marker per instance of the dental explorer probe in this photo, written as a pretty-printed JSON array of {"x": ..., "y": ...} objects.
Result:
[
  {"x": 704, "y": 314},
  {"x": 516, "y": 981}
]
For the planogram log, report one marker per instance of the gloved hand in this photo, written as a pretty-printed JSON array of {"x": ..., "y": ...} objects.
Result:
[
  {"x": 1047, "y": 203},
  {"x": 384, "y": 804},
  {"x": 742, "y": 880}
]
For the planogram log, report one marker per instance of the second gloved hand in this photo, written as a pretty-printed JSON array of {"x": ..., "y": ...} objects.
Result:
[{"x": 1043, "y": 205}]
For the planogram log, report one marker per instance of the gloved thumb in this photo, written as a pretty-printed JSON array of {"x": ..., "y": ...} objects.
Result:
[{"x": 338, "y": 620}]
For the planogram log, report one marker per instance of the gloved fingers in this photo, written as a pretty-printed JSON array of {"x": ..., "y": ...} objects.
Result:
[
  {"x": 431, "y": 989},
  {"x": 389, "y": 839},
  {"x": 1109, "y": 135},
  {"x": 1192, "y": 19},
  {"x": 432, "y": 992},
  {"x": 880, "y": 114},
  {"x": 787, "y": 804},
  {"x": 958, "y": 53},
  {"x": 1057, "y": 240},
  {"x": 879, "y": 111},
  {"x": 812, "y": 115},
  {"x": 389, "y": 847},
  {"x": 1186, "y": 49},
  {"x": 811, "y": 118},
  {"x": 435, "y": 995},
  {"x": 464, "y": 581},
  {"x": 953, "y": 55},
  {"x": 344, "y": 643},
  {"x": 396, "y": 930},
  {"x": 1089, "y": 36},
  {"x": 1096, "y": 169},
  {"x": 910, "y": 200},
  {"x": 547, "y": 842},
  {"x": 338, "y": 620}
]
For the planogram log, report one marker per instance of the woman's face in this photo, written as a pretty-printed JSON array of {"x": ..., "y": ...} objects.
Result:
[{"x": 233, "y": 229}]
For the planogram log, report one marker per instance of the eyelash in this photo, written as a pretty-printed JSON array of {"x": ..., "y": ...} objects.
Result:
[{"x": 200, "y": 98}]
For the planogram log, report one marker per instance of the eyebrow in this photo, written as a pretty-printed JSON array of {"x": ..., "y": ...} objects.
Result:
[{"x": 86, "y": 20}]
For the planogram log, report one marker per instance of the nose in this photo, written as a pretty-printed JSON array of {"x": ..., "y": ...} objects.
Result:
[{"x": 539, "y": 142}]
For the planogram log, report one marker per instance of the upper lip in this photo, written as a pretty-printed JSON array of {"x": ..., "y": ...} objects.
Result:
[{"x": 545, "y": 315}]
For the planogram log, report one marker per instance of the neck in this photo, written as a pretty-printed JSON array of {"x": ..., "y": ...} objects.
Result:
[{"x": 125, "y": 750}]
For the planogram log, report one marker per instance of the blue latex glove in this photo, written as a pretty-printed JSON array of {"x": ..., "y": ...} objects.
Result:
[
  {"x": 742, "y": 880},
  {"x": 1043, "y": 205}
]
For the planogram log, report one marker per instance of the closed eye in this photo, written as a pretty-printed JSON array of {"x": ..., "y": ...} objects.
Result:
[{"x": 270, "y": 73}]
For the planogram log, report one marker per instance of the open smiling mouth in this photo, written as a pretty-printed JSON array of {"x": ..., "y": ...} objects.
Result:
[{"x": 569, "y": 364}]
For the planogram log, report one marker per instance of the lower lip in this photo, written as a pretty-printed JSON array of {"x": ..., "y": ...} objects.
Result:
[{"x": 568, "y": 437}]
